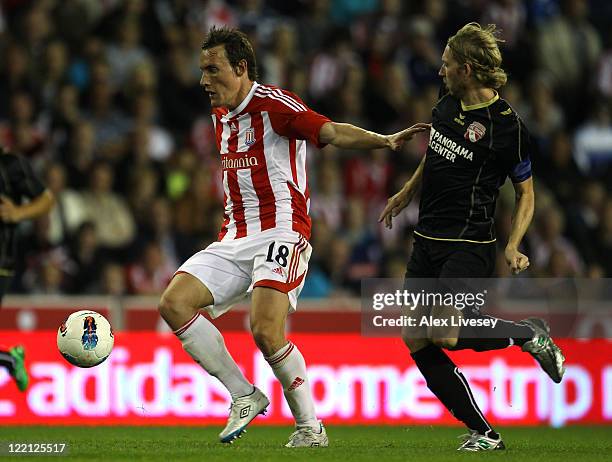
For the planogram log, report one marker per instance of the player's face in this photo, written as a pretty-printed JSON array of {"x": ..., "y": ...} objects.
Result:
[
  {"x": 219, "y": 79},
  {"x": 452, "y": 73}
]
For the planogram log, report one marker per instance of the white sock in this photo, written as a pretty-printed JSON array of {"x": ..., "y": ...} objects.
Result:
[
  {"x": 290, "y": 369},
  {"x": 204, "y": 343}
]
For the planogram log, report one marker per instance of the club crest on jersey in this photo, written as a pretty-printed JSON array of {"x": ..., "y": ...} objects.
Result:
[
  {"x": 249, "y": 136},
  {"x": 474, "y": 132}
]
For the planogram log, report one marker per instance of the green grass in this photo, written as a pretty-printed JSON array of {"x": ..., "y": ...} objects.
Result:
[{"x": 381, "y": 444}]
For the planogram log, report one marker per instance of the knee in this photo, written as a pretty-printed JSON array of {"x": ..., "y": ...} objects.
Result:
[
  {"x": 444, "y": 342},
  {"x": 172, "y": 307},
  {"x": 267, "y": 338}
]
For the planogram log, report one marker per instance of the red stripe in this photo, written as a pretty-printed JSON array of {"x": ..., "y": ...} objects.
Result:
[
  {"x": 180, "y": 330},
  {"x": 232, "y": 142},
  {"x": 296, "y": 262},
  {"x": 218, "y": 132},
  {"x": 283, "y": 356},
  {"x": 300, "y": 220},
  {"x": 307, "y": 189},
  {"x": 280, "y": 286},
  {"x": 260, "y": 178},
  {"x": 237, "y": 205},
  {"x": 291, "y": 263},
  {"x": 292, "y": 148},
  {"x": 223, "y": 231}
]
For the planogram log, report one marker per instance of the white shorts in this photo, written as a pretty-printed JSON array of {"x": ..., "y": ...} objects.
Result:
[{"x": 231, "y": 269}]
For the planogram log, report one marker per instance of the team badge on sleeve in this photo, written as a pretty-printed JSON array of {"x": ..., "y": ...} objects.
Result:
[{"x": 474, "y": 132}]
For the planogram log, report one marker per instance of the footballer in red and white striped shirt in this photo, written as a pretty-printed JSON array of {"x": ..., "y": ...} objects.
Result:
[
  {"x": 263, "y": 250},
  {"x": 262, "y": 144}
]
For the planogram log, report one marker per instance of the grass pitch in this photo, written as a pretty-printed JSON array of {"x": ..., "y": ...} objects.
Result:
[{"x": 381, "y": 444}]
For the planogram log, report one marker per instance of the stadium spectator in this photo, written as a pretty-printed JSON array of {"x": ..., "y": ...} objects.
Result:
[
  {"x": 157, "y": 143},
  {"x": 126, "y": 53},
  {"x": 558, "y": 170},
  {"x": 88, "y": 259},
  {"x": 142, "y": 188},
  {"x": 65, "y": 114},
  {"x": 175, "y": 247},
  {"x": 568, "y": 48},
  {"x": 15, "y": 75},
  {"x": 583, "y": 218},
  {"x": 69, "y": 211},
  {"x": 329, "y": 200},
  {"x": 282, "y": 57},
  {"x": 53, "y": 74},
  {"x": 329, "y": 65},
  {"x": 604, "y": 70},
  {"x": 81, "y": 153},
  {"x": 424, "y": 57},
  {"x": 194, "y": 209},
  {"x": 111, "y": 124},
  {"x": 151, "y": 273},
  {"x": 542, "y": 115},
  {"x": 313, "y": 26},
  {"x": 113, "y": 281},
  {"x": 181, "y": 99},
  {"x": 593, "y": 142},
  {"x": 549, "y": 239},
  {"x": 108, "y": 211}
]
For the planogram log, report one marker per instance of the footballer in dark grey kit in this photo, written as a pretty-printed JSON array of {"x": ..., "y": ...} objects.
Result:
[{"x": 476, "y": 141}]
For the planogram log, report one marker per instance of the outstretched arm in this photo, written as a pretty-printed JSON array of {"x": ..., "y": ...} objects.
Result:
[
  {"x": 521, "y": 218},
  {"x": 12, "y": 213},
  {"x": 347, "y": 136},
  {"x": 400, "y": 201}
]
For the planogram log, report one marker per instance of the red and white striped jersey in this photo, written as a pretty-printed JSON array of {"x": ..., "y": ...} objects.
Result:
[{"x": 263, "y": 158}]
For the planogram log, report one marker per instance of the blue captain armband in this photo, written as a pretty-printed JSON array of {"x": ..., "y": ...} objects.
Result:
[{"x": 521, "y": 171}]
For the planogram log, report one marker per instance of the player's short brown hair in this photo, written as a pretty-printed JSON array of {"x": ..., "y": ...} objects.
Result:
[
  {"x": 237, "y": 47},
  {"x": 477, "y": 46}
]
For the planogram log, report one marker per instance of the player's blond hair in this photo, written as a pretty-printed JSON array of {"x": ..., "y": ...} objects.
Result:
[{"x": 477, "y": 46}]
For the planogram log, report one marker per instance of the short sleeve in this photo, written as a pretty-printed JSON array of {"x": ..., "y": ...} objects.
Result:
[
  {"x": 292, "y": 118},
  {"x": 517, "y": 152},
  {"x": 306, "y": 125},
  {"x": 521, "y": 171}
]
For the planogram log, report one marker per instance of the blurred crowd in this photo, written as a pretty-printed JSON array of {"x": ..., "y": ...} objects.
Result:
[{"x": 103, "y": 97}]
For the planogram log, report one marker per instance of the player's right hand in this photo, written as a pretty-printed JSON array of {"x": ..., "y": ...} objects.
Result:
[
  {"x": 395, "y": 205},
  {"x": 396, "y": 141},
  {"x": 516, "y": 260}
]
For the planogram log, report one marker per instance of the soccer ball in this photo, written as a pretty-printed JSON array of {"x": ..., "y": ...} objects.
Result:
[{"x": 85, "y": 339}]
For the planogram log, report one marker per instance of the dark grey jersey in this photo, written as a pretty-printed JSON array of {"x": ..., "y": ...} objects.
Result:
[{"x": 471, "y": 152}]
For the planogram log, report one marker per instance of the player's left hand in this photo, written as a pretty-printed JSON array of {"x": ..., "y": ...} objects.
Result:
[
  {"x": 9, "y": 212},
  {"x": 396, "y": 141},
  {"x": 516, "y": 260}
]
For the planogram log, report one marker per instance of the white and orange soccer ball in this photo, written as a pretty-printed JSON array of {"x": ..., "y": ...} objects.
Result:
[{"x": 85, "y": 338}]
